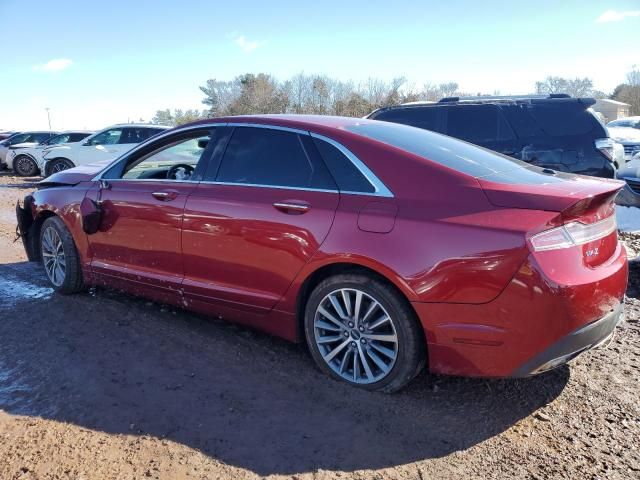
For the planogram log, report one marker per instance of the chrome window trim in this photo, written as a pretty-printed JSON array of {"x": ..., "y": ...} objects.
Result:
[
  {"x": 381, "y": 189},
  {"x": 281, "y": 187}
]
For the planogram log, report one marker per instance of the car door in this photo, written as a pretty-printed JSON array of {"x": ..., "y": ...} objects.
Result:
[
  {"x": 142, "y": 197},
  {"x": 263, "y": 210}
]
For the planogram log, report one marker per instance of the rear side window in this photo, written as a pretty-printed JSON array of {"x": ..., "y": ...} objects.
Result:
[
  {"x": 76, "y": 137},
  {"x": 477, "y": 123},
  {"x": 270, "y": 157},
  {"x": 136, "y": 135},
  {"x": 345, "y": 173},
  {"x": 558, "y": 118},
  {"x": 447, "y": 151},
  {"x": 421, "y": 117},
  {"x": 41, "y": 137}
]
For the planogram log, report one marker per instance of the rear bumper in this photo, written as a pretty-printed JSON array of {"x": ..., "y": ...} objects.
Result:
[
  {"x": 535, "y": 320},
  {"x": 572, "y": 345}
]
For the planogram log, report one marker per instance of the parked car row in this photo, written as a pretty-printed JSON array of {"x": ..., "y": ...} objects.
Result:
[{"x": 30, "y": 153}]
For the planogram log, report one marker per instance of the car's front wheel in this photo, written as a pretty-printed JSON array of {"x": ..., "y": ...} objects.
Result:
[
  {"x": 58, "y": 165},
  {"x": 25, "y": 166},
  {"x": 60, "y": 256},
  {"x": 362, "y": 331}
]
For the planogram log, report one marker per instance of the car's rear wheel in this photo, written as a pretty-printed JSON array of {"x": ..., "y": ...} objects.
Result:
[
  {"x": 59, "y": 164},
  {"x": 362, "y": 331},
  {"x": 25, "y": 166},
  {"x": 60, "y": 256}
]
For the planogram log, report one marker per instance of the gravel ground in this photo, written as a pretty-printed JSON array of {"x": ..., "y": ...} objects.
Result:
[{"x": 105, "y": 386}]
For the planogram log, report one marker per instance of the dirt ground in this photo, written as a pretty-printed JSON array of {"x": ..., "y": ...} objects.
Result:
[{"x": 105, "y": 386}]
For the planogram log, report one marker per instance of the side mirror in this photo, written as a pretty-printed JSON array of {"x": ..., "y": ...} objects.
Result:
[{"x": 91, "y": 216}]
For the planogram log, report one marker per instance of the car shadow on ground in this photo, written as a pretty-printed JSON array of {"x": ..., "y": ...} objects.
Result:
[{"x": 109, "y": 362}]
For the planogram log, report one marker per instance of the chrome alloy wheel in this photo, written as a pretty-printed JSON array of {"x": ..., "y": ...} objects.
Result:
[
  {"x": 53, "y": 256},
  {"x": 355, "y": 336}
]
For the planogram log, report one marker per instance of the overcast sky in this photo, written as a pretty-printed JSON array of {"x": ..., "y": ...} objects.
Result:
[{"x": 99, "y": 63}]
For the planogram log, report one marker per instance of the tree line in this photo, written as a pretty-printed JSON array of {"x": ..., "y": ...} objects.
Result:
[{"x": 320, "y": 94}]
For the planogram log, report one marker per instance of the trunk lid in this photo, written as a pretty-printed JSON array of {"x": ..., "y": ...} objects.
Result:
[{"x": 542, "y": 189}]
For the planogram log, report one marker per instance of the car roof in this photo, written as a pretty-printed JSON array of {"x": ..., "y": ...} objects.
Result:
[
  {"x": 302, "y": 122},
  {"x": 499, "y": 99},
  {"x": 137, "y": 125}
]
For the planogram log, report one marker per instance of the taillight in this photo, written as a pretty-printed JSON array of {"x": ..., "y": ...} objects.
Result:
[
  {"x": 606, "y": 147},
  {"x": 574, "y": 233}
]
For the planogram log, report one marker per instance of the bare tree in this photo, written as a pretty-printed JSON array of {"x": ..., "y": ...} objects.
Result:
[
  {"x": 310, "y": 94},
  {"x": 576, "y": 87}
]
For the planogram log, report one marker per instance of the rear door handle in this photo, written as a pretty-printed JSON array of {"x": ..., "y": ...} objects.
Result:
[
  {"x": 292, "y": 208},
  {"x": 165, "y": 196}
]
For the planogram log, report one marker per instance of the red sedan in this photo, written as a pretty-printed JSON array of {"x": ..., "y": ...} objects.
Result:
[{"x": 383, "y": 247}]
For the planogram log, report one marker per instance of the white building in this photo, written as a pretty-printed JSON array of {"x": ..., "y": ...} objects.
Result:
[{"x": 611, "y": 109}]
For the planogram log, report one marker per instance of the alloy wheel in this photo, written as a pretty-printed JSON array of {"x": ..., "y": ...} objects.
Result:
[
  {"x": 59, "y": 167},
  {"x": 355, "y": 335},
  {"x": 55, "y": 264},
  {"x": 24, "y": 166}
]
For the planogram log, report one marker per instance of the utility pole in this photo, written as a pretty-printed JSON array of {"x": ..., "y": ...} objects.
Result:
[{"x": 48, "y": 117}]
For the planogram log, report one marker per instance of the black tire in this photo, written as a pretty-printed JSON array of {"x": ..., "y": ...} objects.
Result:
[
  {"x": 25, "y": 166},
  {"x": 411, "y": 350},
  {"x": 58, "y": 165},
  {"x": 72, "y": 281}
]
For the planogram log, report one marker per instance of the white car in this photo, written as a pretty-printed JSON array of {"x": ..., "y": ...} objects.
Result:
[
  {"x": 107, "y": 144},
  {"x": 626, "y": 131},
  {"x": 24, "y": 159},
  {"x": 24, "y": 138}
]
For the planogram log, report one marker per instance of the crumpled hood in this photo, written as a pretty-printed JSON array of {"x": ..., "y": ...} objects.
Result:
[
  {"x": 75, "y": 175},
  {"x": 631, "y": 169},
  {"x": 625, "y": 134}
]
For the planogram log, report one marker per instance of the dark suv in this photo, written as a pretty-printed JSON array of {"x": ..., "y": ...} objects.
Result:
[{"x": 555, "y": 131}]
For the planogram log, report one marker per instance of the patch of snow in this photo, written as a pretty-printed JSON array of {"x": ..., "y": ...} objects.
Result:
[
  {"x": 628, "y": 219},
  {"x": 13, "y": 290}
]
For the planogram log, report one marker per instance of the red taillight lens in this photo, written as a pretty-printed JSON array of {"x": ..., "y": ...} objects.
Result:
[{"x": 571, "y": 234}]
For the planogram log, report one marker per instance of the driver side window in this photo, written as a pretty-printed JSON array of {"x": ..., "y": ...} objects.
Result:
[{"x": 176, "y": 161}]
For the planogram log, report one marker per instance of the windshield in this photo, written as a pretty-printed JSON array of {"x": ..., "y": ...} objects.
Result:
[
  {"x": 458, "y": 155},
  {"x": 63, "y": 138}
]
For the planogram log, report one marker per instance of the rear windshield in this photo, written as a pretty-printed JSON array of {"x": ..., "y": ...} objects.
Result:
[
  {"x": 560, "y": 118},
  {"x": 447, "y": 151}
]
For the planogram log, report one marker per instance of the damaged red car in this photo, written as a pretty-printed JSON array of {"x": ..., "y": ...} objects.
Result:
[{"x": 384, "y": 247}]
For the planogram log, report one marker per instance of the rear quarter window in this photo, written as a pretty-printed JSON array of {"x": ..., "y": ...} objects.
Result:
[
  {"x": 477, "y": 123},
  {"x": 558, "y": 118}
]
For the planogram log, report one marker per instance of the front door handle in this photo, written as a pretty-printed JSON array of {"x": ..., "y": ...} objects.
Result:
[
  {"x": 165, "y": 196},
  {"x": 292, "y": 208}
]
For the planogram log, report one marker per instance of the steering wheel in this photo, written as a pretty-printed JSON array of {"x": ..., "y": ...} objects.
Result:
[{"x": 180, "y": 171}]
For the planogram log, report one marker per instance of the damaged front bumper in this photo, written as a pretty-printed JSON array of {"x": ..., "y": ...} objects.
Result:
[
  {"x": 24, "y": 228},
  {"x": 629, "y": 196}
]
